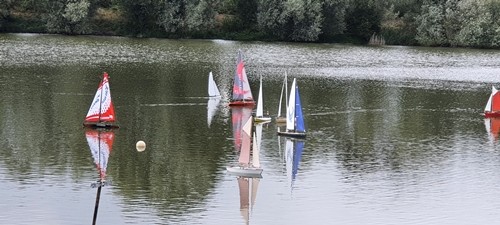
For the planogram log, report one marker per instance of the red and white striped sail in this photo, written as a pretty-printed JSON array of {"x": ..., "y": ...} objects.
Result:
[
  {"x": 102, "y": 109},
  {"x": 242, "y": 95},
  {"x": 101, "y": 144}
]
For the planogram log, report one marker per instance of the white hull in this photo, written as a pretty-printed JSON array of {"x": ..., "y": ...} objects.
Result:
[{"x": 245, "y": 171}]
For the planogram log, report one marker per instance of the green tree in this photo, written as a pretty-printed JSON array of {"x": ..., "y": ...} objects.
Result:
[
  {"x": 271, "y": 18},
  {"x": 4, "y": 11},
  {"x": 291, "y": 20},
  {"x": 334, "y": 13},
  {"x": 364, "y": 18},
  {"x": 305, "y": 18},
  {"x": 68, "y": 16},
  {"x": 430, "y": 30},
  {"x": 140, "y": 16},
  {"x": 187, "y": 16},
  {"x": 246, "y": 14}
]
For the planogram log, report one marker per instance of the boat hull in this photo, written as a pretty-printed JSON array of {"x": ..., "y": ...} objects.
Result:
[
  {"x": 245, "y": 171},
  {"x": 280, "y": 120},
  {"x": 100, "y": 125},
  {"x": 489, "y": 114},
  {"x": 299, "y": 135},
  {"x": 242, "y": 103},
  {"x": 262, "y": 119}
]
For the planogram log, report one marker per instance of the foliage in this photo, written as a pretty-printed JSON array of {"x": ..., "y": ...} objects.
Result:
[
  {"x": 67, "y": 16},
  {"x": 185, "y": 17},
  {"x": 334, "y": 23},
  {"x": 291, "y": 20},
  {"x": 467, "y": 23},
  {"x": 4, "y": 10},
  {"x": 365, "y": 17},
  {"x": 430, "y": 30},
  {"x": 271, "y": 17}
]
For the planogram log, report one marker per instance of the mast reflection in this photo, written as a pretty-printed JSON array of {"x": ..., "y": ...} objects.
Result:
[{"x": 100, "y": 142}]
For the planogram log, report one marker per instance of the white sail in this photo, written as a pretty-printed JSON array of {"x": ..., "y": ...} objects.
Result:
[
  {"x": 260, "y": 107},
  {"x": 281, "y": 98},
  {"x": 212, "y": 86},
  {"x": 284, "y": 88},
  {"x": 488, "y": 104},
  {"x": 247, "y": 128},
  {"x": 290, "y": 115},
  {"x": 255, "y": 151}
]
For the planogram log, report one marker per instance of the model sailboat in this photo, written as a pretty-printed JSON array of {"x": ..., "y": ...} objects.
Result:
[
  {"x": 294, "y": 118},
  {"x": 242, "y": 95},
  {"x": 259, "y": 114},
  {"x": 247, "y": 167},
  {"x": 492, "y": 108},
  {"x": 102, "y": 111},
  {"x": 284, "y": 88}
]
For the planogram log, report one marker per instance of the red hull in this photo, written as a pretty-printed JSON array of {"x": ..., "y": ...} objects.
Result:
[
  {"x": 242, "y": 103},
  {"x": 492, "y": 114}
]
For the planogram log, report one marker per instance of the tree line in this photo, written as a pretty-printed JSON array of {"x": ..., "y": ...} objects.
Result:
[{"x": 461, "y": 23}]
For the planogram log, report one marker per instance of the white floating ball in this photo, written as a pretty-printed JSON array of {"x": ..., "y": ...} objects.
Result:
[{"x": 140, "y": 146}]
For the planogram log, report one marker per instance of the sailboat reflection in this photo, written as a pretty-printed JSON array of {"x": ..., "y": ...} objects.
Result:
[
  {"x": 243, "y": 141},
  {"x": 212, "y": 104},
  {"x": 100, "y": 143},
  {"x": 239, "y": 116},
  {"x": 493, "y": 128},
  {"x": 293, "y": 155},
  {"x": 248, "y": 187},
  {"x": 248, "y": 171}
]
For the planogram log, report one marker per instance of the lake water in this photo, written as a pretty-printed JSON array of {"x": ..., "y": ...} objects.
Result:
[{"x": 395, "y": 134}]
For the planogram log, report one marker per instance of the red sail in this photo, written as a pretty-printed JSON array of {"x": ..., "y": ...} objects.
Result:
[{"x": 102, "y": 109}]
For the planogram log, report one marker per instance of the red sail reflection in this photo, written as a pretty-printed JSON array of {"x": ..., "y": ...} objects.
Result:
[{"x": 101, "y": 144}]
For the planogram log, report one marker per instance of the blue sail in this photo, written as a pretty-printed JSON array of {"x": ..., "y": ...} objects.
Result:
[{"x": 299, "y": 118}]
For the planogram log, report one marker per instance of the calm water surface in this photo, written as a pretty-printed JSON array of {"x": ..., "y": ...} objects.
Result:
[{"x": 395, "y": 134}]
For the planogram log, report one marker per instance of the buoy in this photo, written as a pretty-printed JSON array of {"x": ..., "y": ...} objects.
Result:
[{"x": 140, "y": 146}]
